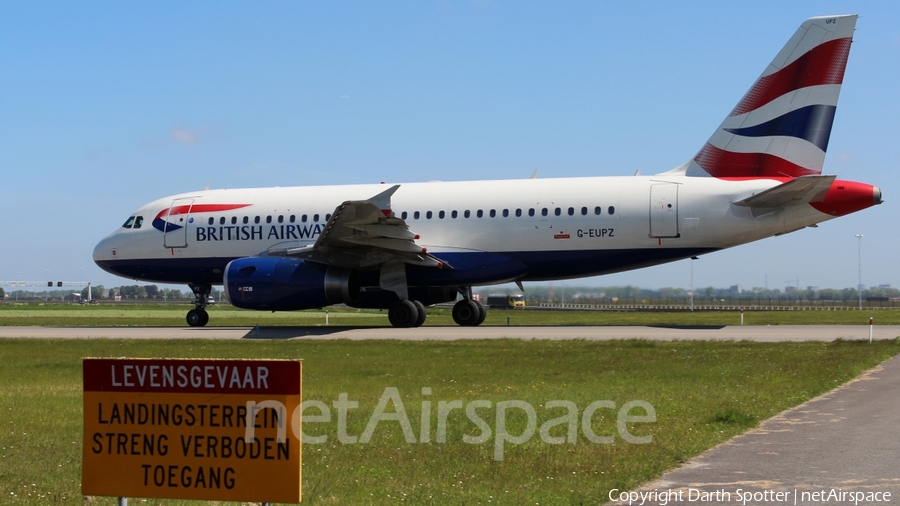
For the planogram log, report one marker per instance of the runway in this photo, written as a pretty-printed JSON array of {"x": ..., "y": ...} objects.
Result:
[{"x": 775, "y": 333}]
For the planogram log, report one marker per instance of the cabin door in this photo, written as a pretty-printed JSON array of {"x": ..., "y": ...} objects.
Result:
[
  {"x": 664, "y": 210},
  {"x": 176, "y": 222}
]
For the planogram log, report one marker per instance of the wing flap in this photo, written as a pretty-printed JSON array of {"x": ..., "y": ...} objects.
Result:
[{"x": 365, "y": 233}]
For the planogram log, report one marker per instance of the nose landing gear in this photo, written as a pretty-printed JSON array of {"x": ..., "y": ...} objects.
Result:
[{"x": 198, "y": 317}]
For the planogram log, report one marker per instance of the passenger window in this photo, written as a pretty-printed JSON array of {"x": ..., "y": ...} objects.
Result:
[
  {"x": 211, "y": 220},
  {"x": 292, "y": 219},
  {"x": 571, "y": 211},
  {"x": 493, "y": 213},
  {"x": 403, "y": 215},
  {"x": 316, "y": 218},
  {"x": 544, "y": 212},
  {"x": 584, "y": 211},
  {"x": 441, "y": 215},
  {"x": 303, "y": 218},
  {"x": 280, "y": 218},
  {"x": 268, "y": 219},
  {"x": 557, "y": 212},
  {"x": 506, "y": 213},
  {"x": 531, "y": 212},
  {"x": 328, "y": 217},
  {"x": 256, "y": 219},
  {"x": 234, "y": 220},
  {"x": 129, "y": 222},
  {"x": 222, "y": 220},
  {"x": 480, "y": 213},
  {"x": 519, "y": 213},
  {"x": 246, "y": 220},
  {"x": 416, "y": 215},
  {"x": 611, "y": 210},
  {"x": 138, "y": 222},
  {"x": 453, "y": 214},
  {"x": 597, "y": 210},
  {"x": 428, "y": 215}
]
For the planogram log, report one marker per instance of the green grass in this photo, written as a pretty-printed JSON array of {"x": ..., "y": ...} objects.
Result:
[
  {"x": 703, "y": 393},
  {"x": 124, "y": 315}
]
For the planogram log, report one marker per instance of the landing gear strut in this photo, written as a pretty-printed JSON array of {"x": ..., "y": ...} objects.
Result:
[
  {"x": 468, "y": 312},
  {"x": 198, "y": 316}
]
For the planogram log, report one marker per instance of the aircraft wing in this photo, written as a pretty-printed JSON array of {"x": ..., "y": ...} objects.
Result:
[
  {"x": 802, "y": 190},
  {"x": 366, "y": 233}
]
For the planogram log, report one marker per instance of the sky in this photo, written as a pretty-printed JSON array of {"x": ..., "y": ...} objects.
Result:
[{"x": 106, "y": 106}]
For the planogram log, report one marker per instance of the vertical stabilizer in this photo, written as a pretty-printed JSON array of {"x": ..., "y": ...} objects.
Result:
[{"x": 782, "y": 125}]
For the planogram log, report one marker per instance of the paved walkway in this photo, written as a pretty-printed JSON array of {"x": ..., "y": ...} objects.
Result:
[{"x": 826, "y": 451}]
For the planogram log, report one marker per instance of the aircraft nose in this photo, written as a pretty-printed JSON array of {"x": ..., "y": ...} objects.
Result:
[
  {"x": 100, "y": 251},
  {"x": 104, "y": 253}
]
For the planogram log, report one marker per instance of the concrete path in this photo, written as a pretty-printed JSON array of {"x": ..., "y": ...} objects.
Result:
[{"x": 842, "y": 448}]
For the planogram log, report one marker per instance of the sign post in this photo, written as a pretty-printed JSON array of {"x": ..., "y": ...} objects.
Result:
[{"x": 192, "y": 429}]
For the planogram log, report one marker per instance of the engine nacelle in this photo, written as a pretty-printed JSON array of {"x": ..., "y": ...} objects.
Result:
[{"x": 287, "y": 284}]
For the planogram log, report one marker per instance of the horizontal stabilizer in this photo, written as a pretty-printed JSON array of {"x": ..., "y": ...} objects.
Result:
[{"x": 803, "y": 190}]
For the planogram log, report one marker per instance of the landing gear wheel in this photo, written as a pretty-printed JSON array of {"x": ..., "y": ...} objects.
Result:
[
  {"x": 197, "y": 317},
  {"x": 482, "y": 314},
  {"x": 467, "y": 314},
  {"x": 404, "y": 314},
  {"x": 421, "y": 308}
]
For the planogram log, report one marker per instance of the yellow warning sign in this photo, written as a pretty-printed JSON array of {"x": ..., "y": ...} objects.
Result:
[{"x": 192, "y": 429}]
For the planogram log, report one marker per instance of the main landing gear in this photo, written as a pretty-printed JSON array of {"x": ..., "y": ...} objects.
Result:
[
  {"x": 407, "y": 313},
  {"x": 198, "y": 316},
  {"x": 468, "y": 312}
]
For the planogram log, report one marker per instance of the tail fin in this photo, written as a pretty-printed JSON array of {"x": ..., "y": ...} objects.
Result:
[{"x": 782, "y": 125}]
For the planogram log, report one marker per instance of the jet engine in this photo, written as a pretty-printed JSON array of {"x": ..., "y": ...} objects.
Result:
[{"x": 286, "y": 284}]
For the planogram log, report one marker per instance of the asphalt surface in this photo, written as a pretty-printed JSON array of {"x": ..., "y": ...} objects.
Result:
[
  {"x": 826, "y": 451},
  {"x": 749, "y": 332}
]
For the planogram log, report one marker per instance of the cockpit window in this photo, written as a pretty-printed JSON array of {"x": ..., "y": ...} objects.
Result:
[
  {"x": 138, "y": 221},
  {"x": 129, "y": 222}
]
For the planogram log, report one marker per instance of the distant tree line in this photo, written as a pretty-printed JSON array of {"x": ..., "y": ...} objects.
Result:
[
  {"x": 599, "y": 295},
  {"x": 99, "y": 292}
]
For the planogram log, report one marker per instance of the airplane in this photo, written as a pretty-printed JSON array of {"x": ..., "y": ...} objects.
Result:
[{"x": 402, "y": 247}]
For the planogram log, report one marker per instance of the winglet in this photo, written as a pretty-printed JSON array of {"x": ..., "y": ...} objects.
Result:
[{"x": 383, "y": 200}]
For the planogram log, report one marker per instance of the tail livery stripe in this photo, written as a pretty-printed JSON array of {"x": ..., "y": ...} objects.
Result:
[
  {"x": 811, "y": 123},
  {"x": 724, "y": 164},
  {"x": 824, "y": 64},
  {"x": 782, "y": 125}
]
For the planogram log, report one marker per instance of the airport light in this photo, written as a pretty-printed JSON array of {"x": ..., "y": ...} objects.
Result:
[{"x": 859, "y": 267}]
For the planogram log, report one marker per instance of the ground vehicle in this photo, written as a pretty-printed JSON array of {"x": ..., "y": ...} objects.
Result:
[{"x": 506, "y": 301}]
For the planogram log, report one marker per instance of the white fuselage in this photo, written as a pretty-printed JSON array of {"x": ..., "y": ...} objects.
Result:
[{"x": 537, "y": 221}]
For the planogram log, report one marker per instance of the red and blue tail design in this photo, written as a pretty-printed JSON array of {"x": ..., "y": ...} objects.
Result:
[{"x": 782, "y": 125}]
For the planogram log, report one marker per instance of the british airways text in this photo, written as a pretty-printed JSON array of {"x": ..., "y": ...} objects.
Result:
[{"x": 257, "y": 232}]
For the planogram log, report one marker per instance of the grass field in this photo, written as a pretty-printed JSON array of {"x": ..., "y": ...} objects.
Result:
[
  {"x": 227, "y": 316},
  {"x": 703, "y": 393}
]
